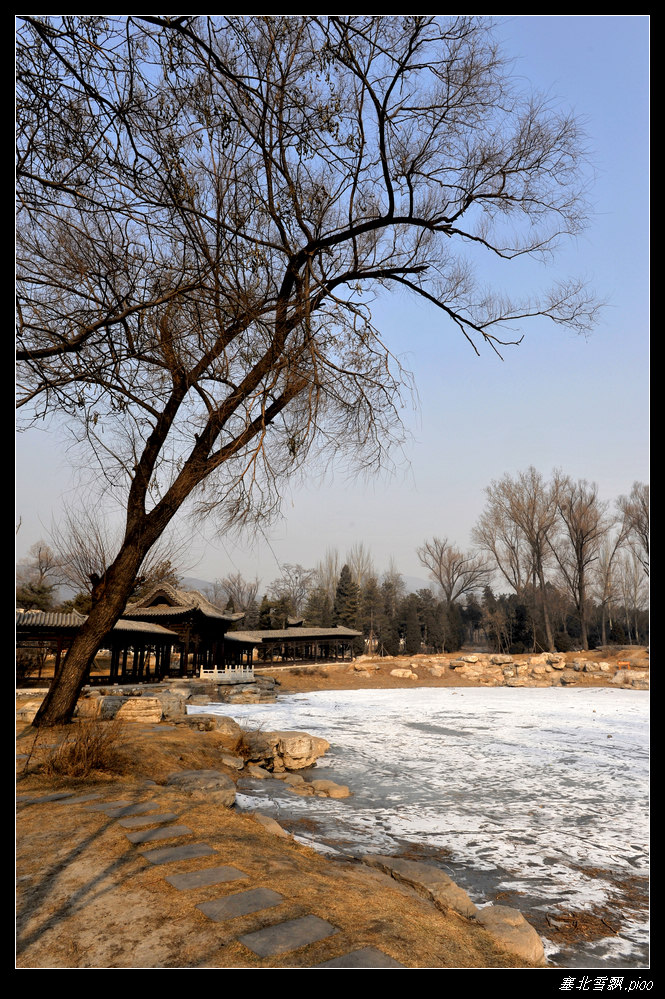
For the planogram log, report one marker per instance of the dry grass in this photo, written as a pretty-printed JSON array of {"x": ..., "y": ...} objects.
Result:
[{"x": 78, "y": 750}]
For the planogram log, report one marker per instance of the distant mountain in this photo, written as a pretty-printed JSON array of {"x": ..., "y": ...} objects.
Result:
[{"x": 192, "y": 583}]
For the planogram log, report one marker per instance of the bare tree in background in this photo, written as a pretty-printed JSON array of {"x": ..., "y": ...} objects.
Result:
[
  {"x": 293, "y": 587},
  {"x": 241, "y": 592},
  {"x": 84, "y": 541},
  {"x": 361, "y": 564},
  {"x": 206, "y": 206},
  {"x": 522, "y": 551},
  {"x": 327, "y": 574},
  {"x": 634, "y": 592},
  {"x": 605, "y": 576},
  {"x": 576, "y": 545},
  {"x": 37, "y": 576},
  {"x": 498, "y": 534},
  {"x": 635, "y": 512},
  {"x": 455, "y": 571}
]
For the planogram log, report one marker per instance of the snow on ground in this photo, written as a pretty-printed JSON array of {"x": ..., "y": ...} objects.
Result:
[{"x": 526, "y": 787}]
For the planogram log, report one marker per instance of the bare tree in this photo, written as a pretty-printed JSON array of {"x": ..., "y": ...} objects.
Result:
[
  {"x": 37, "y": 575},
  {"x": 235, "y": 588},
  {"x": 500, "y": 536},
  {"x": 359, "y": 561},
  {"x": 84, "y": 541},
  {"x": 327, "y": 574},
  {"x": 634, "y": 592},
  {"x": 204, "y": 206},
  {"x": 635, "y": 513},
  {"x": 455, "y": 571},
  {"x": 522, "y": 551},
  {"x": 41, "y": 565},
  {"x": 293, "y": 587},
  {"x": 605, "y": 576},
  {"x": 583, "y": 527}
]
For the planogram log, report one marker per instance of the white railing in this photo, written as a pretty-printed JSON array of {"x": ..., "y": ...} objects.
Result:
[{"x": 242, "y": 673}]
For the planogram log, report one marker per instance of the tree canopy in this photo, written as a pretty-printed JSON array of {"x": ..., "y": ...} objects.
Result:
[{"x": 206, "y": 206}]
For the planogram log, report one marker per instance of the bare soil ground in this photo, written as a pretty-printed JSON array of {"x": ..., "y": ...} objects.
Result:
[
  {"x": 87, "y": 897},
  {"x": 345, "y": 677}
]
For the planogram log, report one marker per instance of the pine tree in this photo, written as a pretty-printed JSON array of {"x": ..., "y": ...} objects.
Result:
[{"x": 345, "y": 610}]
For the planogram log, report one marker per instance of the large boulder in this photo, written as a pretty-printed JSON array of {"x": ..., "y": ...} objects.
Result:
[
  {"x": 511, "y": 932},
  {"x": 229, "y": 730},
  {"x": 427, "y": 881},
  {"x": 296, "y": 750},
  {"x": 174, "y": 705},
  {"x": 146, "y": 710},
  {"x": 279, "y": 751},
  {"x": 211, "y": 784}
]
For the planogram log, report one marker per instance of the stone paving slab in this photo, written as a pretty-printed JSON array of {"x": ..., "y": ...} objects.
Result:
[
  {"x": 115, "y": 812},
  {"x": 169, "y": 854},
  {"x": 208, "y": 876},
  {"x": 27, "y": 799},
  {"x": 164, "y": 832},
  {"x": 241, "y": 904},
  {"x": 365, "y": 957},
  {"x": 287, "y": 936},
  {"x": 108, "y": 804},
  {"x": 147, "y": 820},
  {"x": 81, "y": 798}
]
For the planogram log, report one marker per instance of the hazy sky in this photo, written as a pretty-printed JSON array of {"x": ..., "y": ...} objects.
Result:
[{"x": 557, "y": 400}]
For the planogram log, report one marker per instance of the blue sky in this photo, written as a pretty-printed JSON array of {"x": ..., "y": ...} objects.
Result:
[{"x": 557, "y": 400}]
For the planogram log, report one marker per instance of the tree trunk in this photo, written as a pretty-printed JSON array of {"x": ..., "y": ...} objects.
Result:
[
  {"x": 546, "y": 616},
  {"x": 60, "y": 702}
]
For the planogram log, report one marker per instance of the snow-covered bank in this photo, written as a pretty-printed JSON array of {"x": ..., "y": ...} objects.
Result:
[{"x": 531, "y": 787}]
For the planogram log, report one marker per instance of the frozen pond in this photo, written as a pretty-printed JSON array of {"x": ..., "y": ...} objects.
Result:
[{"x": 541, "y": 793}]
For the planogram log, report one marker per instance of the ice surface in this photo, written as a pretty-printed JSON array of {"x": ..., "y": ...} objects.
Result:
[{"x": 530, "y": 787}]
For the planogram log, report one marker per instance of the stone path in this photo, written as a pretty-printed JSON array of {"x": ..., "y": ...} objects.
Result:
[{"x": 274, "y": 938}]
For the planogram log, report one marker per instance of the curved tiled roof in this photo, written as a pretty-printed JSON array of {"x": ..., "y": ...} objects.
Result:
[
  {"x": 299, "y": 634},
  {"x": 174, "y": 603},
  {"x": 49, "y": 619},
  {"x": 57, "y": 621}
]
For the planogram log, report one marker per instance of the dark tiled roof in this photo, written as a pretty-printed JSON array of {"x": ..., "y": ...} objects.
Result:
[
  {"x": 145, "y": 627},
  {"x": 176, "y": 603},
  {"x": 297, "y": 634},
  {"x": 57, "y": 621},
  {"x": 49, "y": 619}
]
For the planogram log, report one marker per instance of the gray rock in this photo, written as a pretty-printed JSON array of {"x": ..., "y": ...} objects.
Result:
[
  {"x": 147, "y": 710},
  {"x": 234, "y": 762},
  {"x": 229, "y": 730},
  {"x": 568, "y": 677},
  {"x": 329, "y": 789},
  {"x": 170, "y": 854},
  {"x": 298, "y": 749},
  {"x": 201, "y": 723},
  {"x": 257, "y": 772},
  {"x": 365, "y": 957},
  {"x": 215, "y": 785},
  {"x": 26, "y": 712},
  {"x": 173, "y": 705},
  {"x": 268, "y": 823},
  {"x": 205, "y": 878},
  {"x": 427, "y": 881},
  {"x": 281, "y": 751},
  {"x": 242, "y": 904},
  {"x": 287, "y": 936},
  {"x": 511, "y": 932}
]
